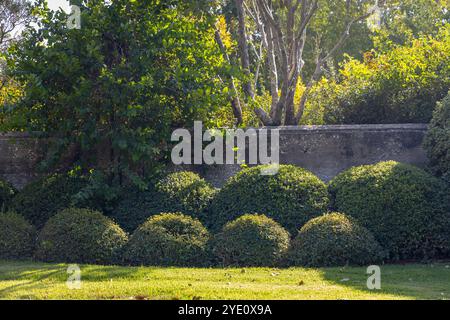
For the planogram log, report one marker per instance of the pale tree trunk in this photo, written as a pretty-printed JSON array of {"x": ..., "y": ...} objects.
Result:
[
  {"x": 243, "y": 48},
  {"x": 234, "y": 93},
  {"x": 284, "y": 41}
]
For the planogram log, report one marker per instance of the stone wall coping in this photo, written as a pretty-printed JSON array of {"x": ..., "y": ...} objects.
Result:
[
  {"x": 15, "y": 135},
  {"x": 292, "y": 129},
  {"x": 363, "y": 127}
]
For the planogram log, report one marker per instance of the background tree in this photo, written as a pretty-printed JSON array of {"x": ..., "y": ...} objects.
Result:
[
  {"x": 281, "y": 30},
  {"x": 14, "y": 15},
  {"x": 332, "y": 31}
]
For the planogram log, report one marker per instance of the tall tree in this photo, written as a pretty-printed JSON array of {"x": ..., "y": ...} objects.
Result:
[
  {"x": 14, "y": 14},
  {"x": 111, "y": 93},
  {"x": 282, "y": 27}
]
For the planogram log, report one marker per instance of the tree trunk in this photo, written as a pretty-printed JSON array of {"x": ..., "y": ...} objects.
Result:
[{"x": 243, "y": 48}]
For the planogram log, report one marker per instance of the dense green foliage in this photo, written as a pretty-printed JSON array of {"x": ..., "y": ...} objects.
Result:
[
  {"x": 401, "y": 85},
  {"x": 7, "y": 192},
  {"x": 42, "y": 199},
  {"x": 170, "y": 239},
  {"x": 292, "y": 197},
  {"x": 183, "y": 192},
  {"x": 136, "y": 207},
  {"x": 80, "y": 236},
  {"x": 17, "y": 237},
  {"x": 406, "y": 209},
  {"x": 112, "y": 91},
  {"x": 251, "y": 240},
  {"x": 186, "y": 192},
  {"x": 334, "y": 240},
  {"x": 437, "y": 141}
]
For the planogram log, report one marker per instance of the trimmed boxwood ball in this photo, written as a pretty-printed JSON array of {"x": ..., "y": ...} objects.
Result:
[
  {"x": 253, "y": 241},
  {"x": 80, "y": 236},
  {"x": 7, "y": 192},
  {"x": 292, "y": 197},
  {"x": 406, "y": 209},
  {"x": 437, "y": 141},
  {"x": 42, "y": 199},
  {"x": 187, "y": 192},
  {"x": 334, "y": 240},
  {"x": 17, "y": 237},
  {"x": 169, "y": 239},
  {"x": 183, "y": 192}
]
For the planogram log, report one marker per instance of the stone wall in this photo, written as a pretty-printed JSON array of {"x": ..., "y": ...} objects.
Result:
[
  {"x": 19, "y": 158},
  {"x": 325, "y": 150},
  {"x": 329, "y": 150}
]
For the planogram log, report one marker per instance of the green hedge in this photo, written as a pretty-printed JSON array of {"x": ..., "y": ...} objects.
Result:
[
  {"x": 170, "y": 239},
  {"x": 437, "y": 141},
  {"x": 251, "y": 240},
  {"x": 292, "y": 197},
  {"x": 407, "y": 209},
  {"x": 17, "y": 237},
  {"x": 80, "y": 236},
  {"x": 42, "y": 199},
  {"x": 7, "y": 192},
  {"x": 178, "y": 192},
  {"x": 334, "y": 240}
]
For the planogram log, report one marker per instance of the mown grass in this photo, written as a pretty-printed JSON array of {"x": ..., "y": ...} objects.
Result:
[{"x": 26, "y": 280}]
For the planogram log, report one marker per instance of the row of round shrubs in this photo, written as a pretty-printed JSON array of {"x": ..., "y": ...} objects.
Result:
[
  {"x": 406, "y": 209},
  {"x": 173, "y": 239}
]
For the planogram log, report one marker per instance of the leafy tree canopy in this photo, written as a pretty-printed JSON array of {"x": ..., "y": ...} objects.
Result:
[{"x": 110, "y": 93}]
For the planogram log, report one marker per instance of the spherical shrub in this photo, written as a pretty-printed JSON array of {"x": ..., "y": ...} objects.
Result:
[
  {"x": 405, "y": 208},
  {"x": 7, "y": 192},
  {"x": 437, "y": 141},
  {"x": 169, "y": 239},
  {"x": 42, "y": 199},
  {"x": 187, "y": 192},
  {"x": 179, "y": 192},
  {"x": 334, "y": 240},
  {"x": 251, "y": 240},
  {"x": 17, "y": 237},
  {"x": 80, "y": 236},
  {"x": 292, "y": 197}
]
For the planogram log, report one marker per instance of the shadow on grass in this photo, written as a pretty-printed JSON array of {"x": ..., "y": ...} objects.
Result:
[
  {"x": 423, "y": 282},
  {"x": 32, "y": 279},
  {"x": 31, "y": 275},
  {"x": 16, "y": 271}
]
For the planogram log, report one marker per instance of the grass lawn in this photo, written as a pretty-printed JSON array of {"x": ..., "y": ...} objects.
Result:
[{"x": 26, "y": 280}]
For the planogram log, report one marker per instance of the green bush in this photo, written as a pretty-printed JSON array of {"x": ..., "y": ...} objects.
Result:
[
  {"x": 292, "y": 197},
  {"x": 17, "y": 237},
  {"x": 178, "y": 192},
  {"x": 187, "y": 192},
  {"x": 251, "y": 240},
  {"x": 437, "y": 141},
  {"x": 80, "y": 236},
  {"x": 169, "y": 239},
  {"x": 7, "y": 192},
  {"x": 334, "y": 240},
  {"x": 42, "y": 199},
  {"x": 406, "y": 209}
]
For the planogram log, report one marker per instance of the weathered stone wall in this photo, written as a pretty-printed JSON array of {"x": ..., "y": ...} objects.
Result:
[
  {"x": 325, "y": 150},
  {"x": 19, "y": 157},
  {"x": 329, "y": 150}
]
